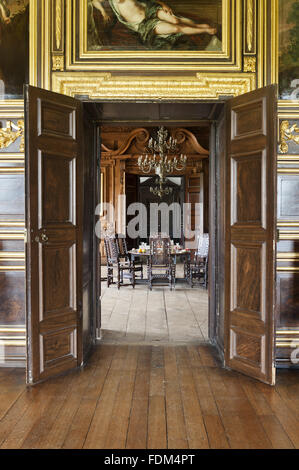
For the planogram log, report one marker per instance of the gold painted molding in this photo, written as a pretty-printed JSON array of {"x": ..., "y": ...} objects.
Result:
[
  {"x": 11, "y": 223},
  {"x": 288, "y": 332},
  {"x": 288, "y": 170},
  {"x": 8, "y": 342},
  {"x": 12, "y": 235},
  {"x": 105, "y": 86},
  {"x": 288, "y": 104},
  {"x": 12, "y": 268},
  {"x": 290, "y": 269},
  {"x": 284, "y": 256},
  {"x": 15, "y": 170},
  {"x": 14, "y": 329},
  {"x": 287, "y": 224},
  {"x": 12, "y": 255}
]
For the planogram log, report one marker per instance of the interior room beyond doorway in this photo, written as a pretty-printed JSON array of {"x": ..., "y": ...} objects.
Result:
[{"x": 161, "y": 314}]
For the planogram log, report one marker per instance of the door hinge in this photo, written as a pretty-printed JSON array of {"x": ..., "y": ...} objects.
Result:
[{"x": 25, "y": 236}]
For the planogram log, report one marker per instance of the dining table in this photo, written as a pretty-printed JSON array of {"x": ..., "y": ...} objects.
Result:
[{"x": 177, "y": 254}]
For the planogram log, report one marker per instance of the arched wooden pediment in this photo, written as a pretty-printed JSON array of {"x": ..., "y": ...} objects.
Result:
[{"x": 135, "y": 142}]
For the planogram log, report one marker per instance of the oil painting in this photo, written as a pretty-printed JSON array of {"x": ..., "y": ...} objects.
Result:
[
  {"x": 289, "y": 49},
  {"x": 153, "y": 25},
  {"x": 14, "y": 47}
]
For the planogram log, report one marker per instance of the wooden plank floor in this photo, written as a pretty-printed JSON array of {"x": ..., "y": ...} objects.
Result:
[
  {"x": 143, "y": 316},
  {"x": 149, "y": 396}
]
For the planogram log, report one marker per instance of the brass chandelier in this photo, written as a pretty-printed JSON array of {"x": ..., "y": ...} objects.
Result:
[{"x": 158, "y": 159}]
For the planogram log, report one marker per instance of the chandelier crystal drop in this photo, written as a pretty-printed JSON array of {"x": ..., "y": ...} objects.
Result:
[{"x": 158, "y": 160}]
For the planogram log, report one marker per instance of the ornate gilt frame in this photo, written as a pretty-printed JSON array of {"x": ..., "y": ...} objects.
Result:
[
  {"x": 77, "y": 21},
  {"x": 52, "y": 65}
]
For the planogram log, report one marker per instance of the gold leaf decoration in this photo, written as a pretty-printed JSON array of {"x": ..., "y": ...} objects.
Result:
[
  {"x": 249, "y": 64},
  {"x": 288, "y": 133},
  {"x": 10, "y": 133},
  {"x": 58, "y": 62}
]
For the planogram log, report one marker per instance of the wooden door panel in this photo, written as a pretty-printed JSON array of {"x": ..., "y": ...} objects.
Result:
[
  {"x": 247, "y": 290},
  {"x": 250, "y": 234},
  {"x": 54, "y": 218},
  {"x": 58, "y": 351},
  {"x": 58, "y": 174},
  {"x": 56, "y": 119},
  {"x": 248, "y": 120},
  {"x": 59, "y": 283},
  {"x": 248, "y": 187}
]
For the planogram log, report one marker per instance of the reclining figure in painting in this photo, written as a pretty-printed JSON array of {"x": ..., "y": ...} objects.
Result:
[{"x": 154, "y": 21}]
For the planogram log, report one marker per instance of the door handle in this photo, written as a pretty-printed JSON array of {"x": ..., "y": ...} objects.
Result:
[{"x": 42, "y": 238}]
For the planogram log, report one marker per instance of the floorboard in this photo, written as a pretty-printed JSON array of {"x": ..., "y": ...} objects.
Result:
[{"x": 149, "y": 396}]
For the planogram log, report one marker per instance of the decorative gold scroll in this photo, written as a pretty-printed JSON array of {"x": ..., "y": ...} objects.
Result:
[
  {"x": 10, "y": 133},
  {"x": 288, "y": 133}
]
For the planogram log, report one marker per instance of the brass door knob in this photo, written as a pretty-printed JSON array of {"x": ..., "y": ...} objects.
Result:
[{"x": 44, "y": 237}]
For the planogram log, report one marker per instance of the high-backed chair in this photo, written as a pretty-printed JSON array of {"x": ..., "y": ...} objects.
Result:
[
  {"x": 199, "y": 267},
  {"x": 124, "y": 254},
  {"x": 160, "y": 264},
  {"x": 124, "y": 267}
]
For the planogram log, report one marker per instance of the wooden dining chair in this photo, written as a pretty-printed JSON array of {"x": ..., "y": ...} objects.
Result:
[
  {"x": 160, "y": 263},
  {"x": 122, "y": 247},
  {"x": 122, "y": 264},
  {"x": 199, "y": 267}
]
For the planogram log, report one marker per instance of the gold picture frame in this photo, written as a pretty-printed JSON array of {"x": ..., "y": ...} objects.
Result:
[
  {"x": 78, "y": 57},
  {"x": 55, "y": 62}
]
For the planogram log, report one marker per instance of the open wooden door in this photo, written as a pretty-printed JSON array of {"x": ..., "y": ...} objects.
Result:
[
  {"x": 250, "y": 234},
  {"x": 54, "y": 201}
]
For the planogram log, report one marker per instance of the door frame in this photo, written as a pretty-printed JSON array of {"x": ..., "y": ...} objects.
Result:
[{"x": 213, "y": 204}]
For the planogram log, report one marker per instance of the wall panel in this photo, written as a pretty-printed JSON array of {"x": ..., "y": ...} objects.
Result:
[
  {"x": 12, "y": 224},
  {"x": 288, "y": 235}
]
